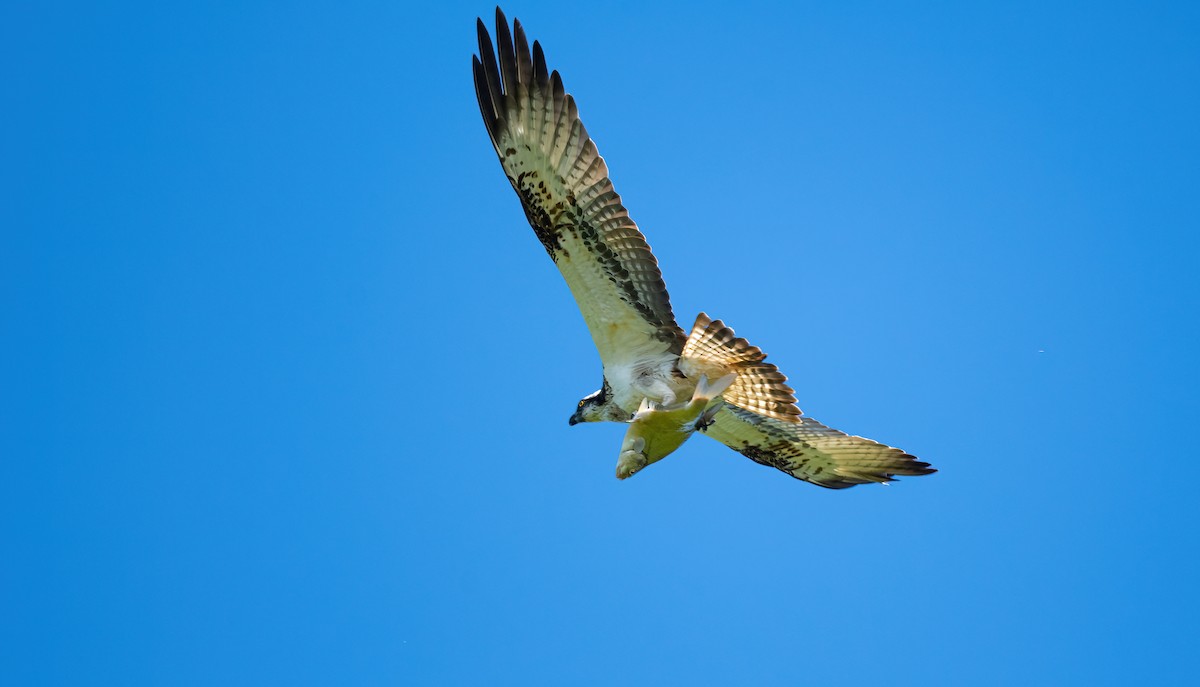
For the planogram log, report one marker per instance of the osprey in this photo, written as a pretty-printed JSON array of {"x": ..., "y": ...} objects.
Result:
[{"x": 649, "y": 364}]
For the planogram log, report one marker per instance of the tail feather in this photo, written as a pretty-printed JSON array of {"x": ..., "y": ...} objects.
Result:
[{"x": 713, "y": 349}]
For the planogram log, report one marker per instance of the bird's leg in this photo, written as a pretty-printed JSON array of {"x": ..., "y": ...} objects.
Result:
[
  {"x": 708, "y": 417},
  {"x": 658, "y": 388}
]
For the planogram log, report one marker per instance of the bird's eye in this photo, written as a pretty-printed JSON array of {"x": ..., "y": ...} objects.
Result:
[{"x": 580, "y": 406}]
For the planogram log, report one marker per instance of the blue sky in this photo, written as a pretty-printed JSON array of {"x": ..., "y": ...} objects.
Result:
[{"x": 287, "y": 374}]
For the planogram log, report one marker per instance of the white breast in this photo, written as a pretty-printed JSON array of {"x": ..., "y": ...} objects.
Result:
[{"x": 651, "y": 378}]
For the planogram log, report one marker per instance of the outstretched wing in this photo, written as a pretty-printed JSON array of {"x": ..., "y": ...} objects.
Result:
[
  {"x": 808, "y": 450},
  {"x": 564, "y": 187},
  {"x": 712, "y": 349}
]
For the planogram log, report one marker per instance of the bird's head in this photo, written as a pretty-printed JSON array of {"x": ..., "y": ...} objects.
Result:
[{"x": 598, "y": 407}]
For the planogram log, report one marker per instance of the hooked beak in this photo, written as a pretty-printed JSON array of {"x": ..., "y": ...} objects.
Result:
[{"x": 575, "y": 419}]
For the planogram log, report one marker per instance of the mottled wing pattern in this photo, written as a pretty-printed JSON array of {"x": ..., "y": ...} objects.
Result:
[
  {"x": 808, "y": 450},
  {"x": 713, "y": 349},
  {"x": 564, "y": 187}
]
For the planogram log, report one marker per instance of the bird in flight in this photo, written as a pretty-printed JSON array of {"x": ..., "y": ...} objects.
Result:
[{"x": 652, "y": 370}]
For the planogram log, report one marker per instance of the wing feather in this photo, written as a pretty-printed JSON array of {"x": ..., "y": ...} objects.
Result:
[
  {"x": 570, "y": 202},
  {"x": 810, "y": 451},
  {"x": 490, "y": 102}
]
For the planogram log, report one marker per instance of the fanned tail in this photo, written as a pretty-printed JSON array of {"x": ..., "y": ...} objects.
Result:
[{"x": 712, "y": 349}]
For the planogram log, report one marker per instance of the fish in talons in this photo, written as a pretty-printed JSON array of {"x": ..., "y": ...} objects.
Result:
[{"x": 656, "y": 431}]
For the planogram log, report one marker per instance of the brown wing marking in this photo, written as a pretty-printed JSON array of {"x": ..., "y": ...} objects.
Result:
[
  {"x": 810, "y": 451},
  {"x": 570, "y": 202}
]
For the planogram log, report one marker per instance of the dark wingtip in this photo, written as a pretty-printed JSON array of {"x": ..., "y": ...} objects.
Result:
[
  {"x": 507, "y": 54},
  {"x": 540, "y": 74},
  {"x": 914, "y": 468}
]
